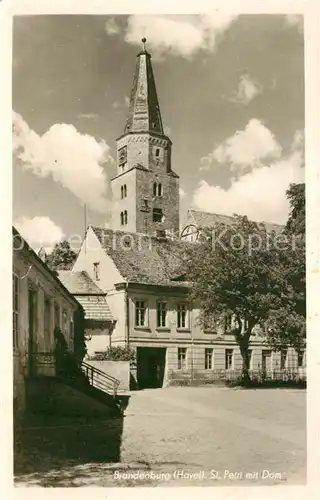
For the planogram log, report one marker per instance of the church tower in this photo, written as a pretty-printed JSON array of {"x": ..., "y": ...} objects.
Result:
[{"x": 145, "y": 190}]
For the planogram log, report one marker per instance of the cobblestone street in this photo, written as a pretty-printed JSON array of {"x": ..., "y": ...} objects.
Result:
[{"x": 178, "y": 437}]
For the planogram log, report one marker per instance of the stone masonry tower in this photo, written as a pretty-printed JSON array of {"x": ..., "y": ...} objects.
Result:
[{"x": 145, "y": 190}]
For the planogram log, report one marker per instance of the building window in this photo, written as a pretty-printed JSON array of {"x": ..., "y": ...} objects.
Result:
[
  {"x": 57, "y": 315},
  {"x": 71, "y": 327},
  {"x": 182, "y": 315},
  {"x": 283, "y": 359},
  {"x": 157, "y": 189},
  {"x": 96, "y": 271},
  {"x": 227, "y": 323},
  {"x": 123, "y": 191},
  {"x": 182, "y": 358},
  {"x": 157, "y": 215},
  {"x": 266, "y": 360},
  {"x": 47, "y": 321},
  {"x": 16, "y": 308},
  {"x": 121, "y": 219},
  {"x": 209, "y": 323},
  {"x": 157, "y": 152},
  {"x": 65, "y": 324},
  {"x": 125, "y": 217},
  {"x": 300, "y": 358},
  {"x": 249, "y": 358},
  {"x": 229, "y": 359},
  {"x": 161, "y": 314},
  {"x": 140, "y": 313},
  {"x": 208, "y": 355}
]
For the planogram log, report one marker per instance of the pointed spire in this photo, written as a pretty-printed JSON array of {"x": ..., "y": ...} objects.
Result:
[{"x": 144, "y": 111}]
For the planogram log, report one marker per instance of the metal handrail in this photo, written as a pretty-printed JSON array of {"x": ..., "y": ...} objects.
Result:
[
  {"x": 104, "y": 374},
  {"x": 100, "y": 379}
]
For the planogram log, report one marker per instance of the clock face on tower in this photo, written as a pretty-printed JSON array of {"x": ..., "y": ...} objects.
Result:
[{"x": 122, "y": 155}]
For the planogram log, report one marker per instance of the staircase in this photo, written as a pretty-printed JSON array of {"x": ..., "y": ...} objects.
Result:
[
  {"x": 100, "y": 380},
  {"x": 70, "y": 389}
]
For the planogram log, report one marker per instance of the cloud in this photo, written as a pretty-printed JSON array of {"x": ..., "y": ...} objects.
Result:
[
  {"x": 259, "y": 194},
  {"x": 73, "y": 160},
  {"x": 112, "y": 27},
  {"x": 88, "y": 116},
  {"x": 182, "y": 193},
  {"x": 298, "y": 141},
  {"x": 39, "y": 232},
  {"x": 178, "y": 35},
  {"x": 246, "y": 148},
  {"x": 127, "y": 101},
  {"x": 296, "y": 20},
  {"x": 248, "y": 89}
]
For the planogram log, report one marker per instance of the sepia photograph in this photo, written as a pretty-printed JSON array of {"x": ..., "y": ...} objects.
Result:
[{"x": 158, "y": 242}]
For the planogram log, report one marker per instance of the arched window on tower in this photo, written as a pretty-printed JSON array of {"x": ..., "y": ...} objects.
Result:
[
  {"x": 125, "y": 219},
  {"x": 125, "y": 191},
  {"x": 159, "y": 189},
  {"x": 154, "y": 189},
  {"x": 121, "y": 219},
  {"x": 121, "y": 192}
]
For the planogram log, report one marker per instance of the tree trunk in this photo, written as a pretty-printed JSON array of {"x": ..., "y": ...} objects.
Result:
[
  {"x": 243, "y": 339},
  {"x": 244, "y": 345}
]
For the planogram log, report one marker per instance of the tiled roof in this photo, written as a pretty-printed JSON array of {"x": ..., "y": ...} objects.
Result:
[
  {"x": 88, "y": 294},
  {"x": 141, "y": 258},
  {"x": 207, "y": 219},
  {"x": 95, "y": 307},
  {"x": 78, "y": 282}
]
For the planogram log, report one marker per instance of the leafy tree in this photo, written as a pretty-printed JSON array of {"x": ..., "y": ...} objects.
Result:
[
  {"x": 296, "y": 223},
  {"x": 62, "y": 257},
  {"x": 287, "y": 325},
  {"x": 243, "y": 272}
]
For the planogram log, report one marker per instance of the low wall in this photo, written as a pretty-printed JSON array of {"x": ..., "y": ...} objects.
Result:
[
  {"x": 117, "y": 369},
  {"x": 204, "y": 377}
]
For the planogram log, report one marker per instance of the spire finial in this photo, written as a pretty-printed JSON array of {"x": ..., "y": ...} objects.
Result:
[{"x": 143, "y": 40}]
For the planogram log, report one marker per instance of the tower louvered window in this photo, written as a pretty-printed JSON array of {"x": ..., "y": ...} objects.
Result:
[{"x": 157, "y": 215}]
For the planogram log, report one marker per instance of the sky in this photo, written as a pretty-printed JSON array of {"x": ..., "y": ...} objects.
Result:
[{"x": 231, "y": 93}]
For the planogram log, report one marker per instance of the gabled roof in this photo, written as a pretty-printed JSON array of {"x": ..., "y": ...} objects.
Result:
[
  {"x": 20, "y": 244},
  {"x": 206, "y": 219},
  {"x": 79, "y": 282},
  {"x": 141, "y": 258}
]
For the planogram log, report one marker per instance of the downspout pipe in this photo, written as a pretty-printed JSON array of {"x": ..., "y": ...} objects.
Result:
[{"x": 127, "y": 322}]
